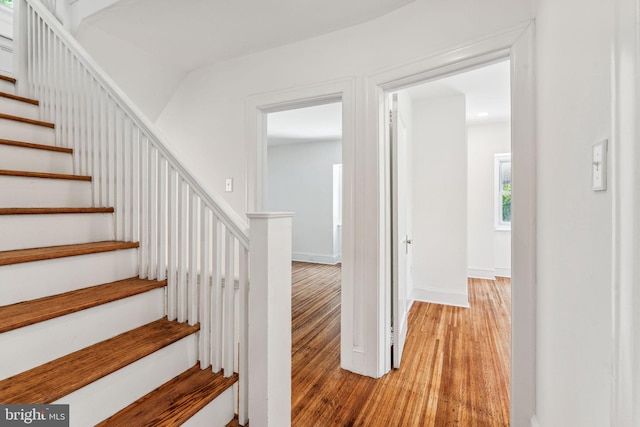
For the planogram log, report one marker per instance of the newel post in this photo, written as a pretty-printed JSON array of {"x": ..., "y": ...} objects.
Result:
[{"x": 270, "y": 320}]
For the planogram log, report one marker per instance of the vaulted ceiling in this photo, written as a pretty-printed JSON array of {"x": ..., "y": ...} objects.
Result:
[{"x": 192, "y": 33}]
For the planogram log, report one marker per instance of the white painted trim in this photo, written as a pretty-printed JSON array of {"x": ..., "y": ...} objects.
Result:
[
  {"x": 503, "y": 272},
  {"x": 441, "y": 296},
  {"x": 256, "y": 109},
  {"x": 316, "y": 258},
  {"x": 534, "y": 422},
  {"x": 625, "y": 187},
  {"x": 518, "y": 45},
  {"x": 481, "y": 273}
]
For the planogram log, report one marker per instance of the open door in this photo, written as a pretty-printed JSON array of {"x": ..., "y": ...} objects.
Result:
[{"x": 401, "y": 231}]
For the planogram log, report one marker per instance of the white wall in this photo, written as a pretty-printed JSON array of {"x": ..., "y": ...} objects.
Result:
[
  {"x": 439, "y": 181},
  {"x": 148, "y": 81},
  {"x": 301, "y": 181},
  {"x": 206, "y": 118},
  {"x": 574, "y": 330},
  {"x": 6, "y": 21},
  {"x": 6, "y": 42},
  {"x": 489, "y": 251}
]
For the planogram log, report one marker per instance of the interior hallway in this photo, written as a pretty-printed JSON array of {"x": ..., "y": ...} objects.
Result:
[{"x": 455, "y": 369}]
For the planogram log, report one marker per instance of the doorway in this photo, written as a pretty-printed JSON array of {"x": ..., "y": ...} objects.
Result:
[
  {"x": 450, "y": 144},
  {"x": 304, "y": 161}
]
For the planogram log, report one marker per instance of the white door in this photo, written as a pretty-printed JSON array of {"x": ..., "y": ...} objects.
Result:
[{"x": 401, "y": 231}]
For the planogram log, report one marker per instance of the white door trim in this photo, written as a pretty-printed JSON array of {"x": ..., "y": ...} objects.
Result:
[
  {"x": 518, "y": 45},
  {"x": 257, "y": 108},
  {"x": 625, "y": 159}
]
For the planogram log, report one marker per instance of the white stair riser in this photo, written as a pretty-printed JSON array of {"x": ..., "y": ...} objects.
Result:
[
  {"x": 31, "y": 280},
  {"x": 33, "y": 160},
  {"x": 7, "y": 87},
  {"x": 217, "y": 413},
  {"x": 26, "y": 132},
  {"x": 36, "y": 231},
  {"x": 27, "y": 192},
  {"x": 103, "y": 398},
  {"x": 19, "y": 108},
  {"x": 40, "y": 343}
]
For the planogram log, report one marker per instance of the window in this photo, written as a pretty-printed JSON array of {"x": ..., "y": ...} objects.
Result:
[
  {"x": 7, "y": 2},
  {"x": 502, "y": 192}
]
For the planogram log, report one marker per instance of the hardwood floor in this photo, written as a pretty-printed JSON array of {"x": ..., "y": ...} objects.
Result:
[{"x": 455, "y": 369}]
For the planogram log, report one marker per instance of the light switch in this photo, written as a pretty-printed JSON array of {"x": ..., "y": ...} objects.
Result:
[
  {"x": 599, "y": 166},
  {"x": 228, "y": 185}
]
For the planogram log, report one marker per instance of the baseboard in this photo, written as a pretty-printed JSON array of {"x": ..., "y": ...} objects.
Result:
[
  {"x": 316, "y": 258},
  {"x": 479, "y": 273},
  {"x": 440, "y": 296},
  {"x": 503, "y": 272},
  {"x": 534, "y": 422}
]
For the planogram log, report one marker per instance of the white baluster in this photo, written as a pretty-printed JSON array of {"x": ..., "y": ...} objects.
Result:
[
  {"x": 193, "y": 259},
  {"x": 152, "y": 212},
  {"x": 182, "y": 252},
  {"x": 229, "y": 312},
  {"x": 205, "y": 288},
  {"x": 162, "y": 221},
  {"x": 172, "y": 296},
  {"x": 216, "y": 297}
]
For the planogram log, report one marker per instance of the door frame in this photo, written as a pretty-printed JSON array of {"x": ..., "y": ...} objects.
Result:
[
  {"x": 625, "y": 254},
  {"x": 256, "y": 110},
  {"x": 516, "y": 44}
]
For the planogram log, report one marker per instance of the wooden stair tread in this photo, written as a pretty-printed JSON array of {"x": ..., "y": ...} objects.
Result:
[
  {"x": 52, "y": 252},
  {"x": 174, "y": 402},
  {"x": 25, "y": 120},
  {"x": 56, "y": 379},
  {"x": 26, "y": 313},
  {"x": 46, "y": 211},
  {"x": 25, "y": 174},
  {"x": 7, "y": 78},
  {"x": 35, "y": 146},
  {"x": 20, "y": 98}
]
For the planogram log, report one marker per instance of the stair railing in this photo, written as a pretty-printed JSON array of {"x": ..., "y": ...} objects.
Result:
[{"x": 188, "y": 236}]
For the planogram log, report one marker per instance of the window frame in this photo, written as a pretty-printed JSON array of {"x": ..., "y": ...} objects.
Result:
[{"x": 498, "y": 223}]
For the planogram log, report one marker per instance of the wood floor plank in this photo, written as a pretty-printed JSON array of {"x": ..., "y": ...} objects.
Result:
[
  {"x": 29, "y": 312},
  {"x": 455, "y": 369},
  {"x": 35, "y": 146},
  {"x": 27, "y": 174},
  {"x": 54, "y": 380},
  {"x": 46, "y": 211},
  {"x": 52, "y": 252},
  {"x": 174, "y": 402},
  {"x": 29, "y": 121}
]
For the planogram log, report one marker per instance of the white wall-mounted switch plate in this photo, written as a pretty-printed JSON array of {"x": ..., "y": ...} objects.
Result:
[
  {"x": 599, "y": 166},
  {"x": 228, "y": 185}
]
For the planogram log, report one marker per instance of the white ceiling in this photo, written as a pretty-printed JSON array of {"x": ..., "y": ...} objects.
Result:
[
  {"x": 317, "y": 123},
  {"x": 192, "y": 33},
  {"x": 487, "y": 90}
]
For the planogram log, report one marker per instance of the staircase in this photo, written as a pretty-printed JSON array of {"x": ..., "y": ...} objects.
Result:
[{"x": 78, "y": 325}]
